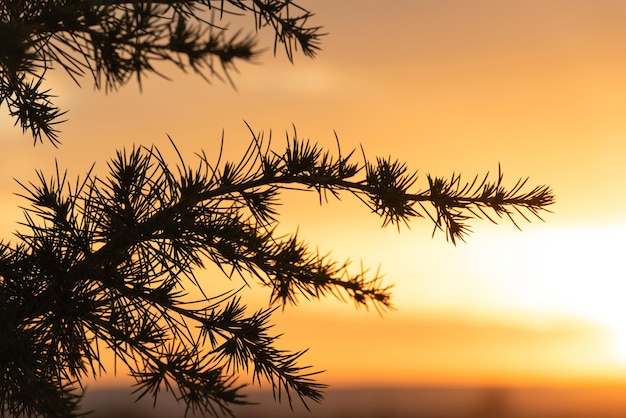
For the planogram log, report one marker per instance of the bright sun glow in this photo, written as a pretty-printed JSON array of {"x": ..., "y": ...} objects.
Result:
[{"x": 575, "y": 271}]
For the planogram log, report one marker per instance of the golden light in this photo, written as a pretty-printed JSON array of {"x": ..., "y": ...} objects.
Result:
[{"x": 574, "y": 271}]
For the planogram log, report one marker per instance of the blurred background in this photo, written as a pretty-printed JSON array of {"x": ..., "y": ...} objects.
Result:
[
  {"x": 509, "y": 324},
  {"x": 399, "y": 402}
]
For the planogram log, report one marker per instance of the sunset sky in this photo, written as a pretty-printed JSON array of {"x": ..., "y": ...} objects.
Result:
[{"x": 538, "y": 87}]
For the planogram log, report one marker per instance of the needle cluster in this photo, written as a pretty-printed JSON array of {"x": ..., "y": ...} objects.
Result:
[
  {"x": 107, "y": 263},
  {"x": 116, "y": 40}
]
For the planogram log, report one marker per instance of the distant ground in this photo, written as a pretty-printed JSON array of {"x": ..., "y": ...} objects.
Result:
[{"x": 592, "y": 402}]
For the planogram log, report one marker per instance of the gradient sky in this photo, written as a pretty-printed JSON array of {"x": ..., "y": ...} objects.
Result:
[{"x": 448, "y": 86}]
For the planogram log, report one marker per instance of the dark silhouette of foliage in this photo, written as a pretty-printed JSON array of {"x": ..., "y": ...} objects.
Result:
[
  {"x": 114, "y": 40},
  {"x": 110, "y": 263},
  {"x": 107, "y": 263}
]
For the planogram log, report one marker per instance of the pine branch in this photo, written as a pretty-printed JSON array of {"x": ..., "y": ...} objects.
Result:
[
  {"x": 115, "y": 40},
  {"x": 108, "y": 263}
]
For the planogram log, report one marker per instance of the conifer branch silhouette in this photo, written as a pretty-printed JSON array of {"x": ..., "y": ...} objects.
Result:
[
  {"x": 115, "y": 40},
  {"x": 107, "y": 264}
]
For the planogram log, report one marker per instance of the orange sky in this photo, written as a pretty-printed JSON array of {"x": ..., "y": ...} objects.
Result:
[{"x": 539, "y": 87}]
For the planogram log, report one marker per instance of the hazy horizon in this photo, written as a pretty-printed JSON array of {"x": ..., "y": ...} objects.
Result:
[{"x": 407, "y": 402}]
